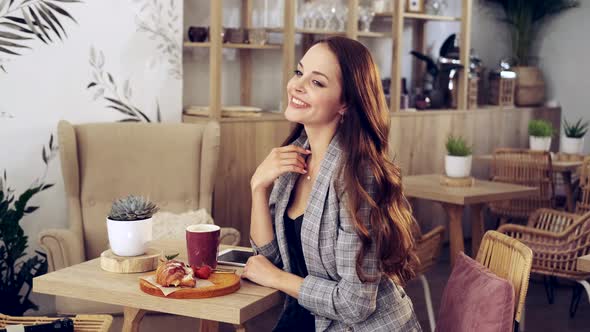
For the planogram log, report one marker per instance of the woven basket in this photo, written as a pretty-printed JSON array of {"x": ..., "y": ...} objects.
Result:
[{"x": 82, "y": 323}]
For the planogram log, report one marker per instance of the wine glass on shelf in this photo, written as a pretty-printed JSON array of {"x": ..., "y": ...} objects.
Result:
[
  {"x": 366, "y": 15},
  {"x": 342, "y": 17}
]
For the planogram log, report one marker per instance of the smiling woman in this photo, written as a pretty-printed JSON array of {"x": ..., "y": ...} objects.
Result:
[{"x": 339, "y": 240}]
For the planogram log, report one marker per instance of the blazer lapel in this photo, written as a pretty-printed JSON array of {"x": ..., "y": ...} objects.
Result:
[
  {"x": 285, "y": 187},
  {"x": 311, "y": 228}
]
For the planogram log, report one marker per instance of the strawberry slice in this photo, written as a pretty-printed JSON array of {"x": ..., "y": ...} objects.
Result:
[{"x": 203, "y": 272}]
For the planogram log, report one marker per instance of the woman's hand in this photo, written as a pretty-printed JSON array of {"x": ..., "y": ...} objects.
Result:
[
  {"x": 280, "y": 160},
  {"x": 260, "y": 270}
]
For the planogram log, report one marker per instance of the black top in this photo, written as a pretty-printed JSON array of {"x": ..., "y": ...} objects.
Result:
[{"x": 295, "y": 317}]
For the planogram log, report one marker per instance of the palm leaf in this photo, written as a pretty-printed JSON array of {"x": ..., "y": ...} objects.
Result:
[
  {"x": 49, "y": 12},
  {"x": 11, "y": 44},
  {"x": 47, "y": 19},
  {"x": 31, "y": 24},
  {"x": 10, "y": 35},
  {"x": 16, "y": 27},
  {"x": 60, "y": 10},
  {"x": 5, "y": 50},
  {"x": 40, "y": 23}
]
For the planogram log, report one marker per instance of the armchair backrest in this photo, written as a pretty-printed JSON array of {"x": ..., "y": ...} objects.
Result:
[
  {"x": 528, "y": 168},
  {"x": 510, "y": 259},
  {"x": 172, "y": 164}
]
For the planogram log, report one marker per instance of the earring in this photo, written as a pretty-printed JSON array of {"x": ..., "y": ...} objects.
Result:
[{"x": 341, "y": 118}]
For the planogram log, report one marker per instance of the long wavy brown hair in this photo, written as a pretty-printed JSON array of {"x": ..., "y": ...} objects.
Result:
[{"x": 364, "y": 139}]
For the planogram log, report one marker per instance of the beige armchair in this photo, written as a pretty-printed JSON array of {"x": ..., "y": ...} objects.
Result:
[{"x": 173, "y": 164}]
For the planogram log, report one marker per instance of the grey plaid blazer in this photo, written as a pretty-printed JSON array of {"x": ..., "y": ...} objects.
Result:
[{"x": 332, "y": 291}]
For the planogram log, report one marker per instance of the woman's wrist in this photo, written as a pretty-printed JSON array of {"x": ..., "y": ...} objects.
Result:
[{"x": 257, "y": 188}]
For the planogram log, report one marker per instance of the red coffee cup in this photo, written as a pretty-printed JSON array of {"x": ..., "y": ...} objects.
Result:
[{"x": 202, "y": 242}]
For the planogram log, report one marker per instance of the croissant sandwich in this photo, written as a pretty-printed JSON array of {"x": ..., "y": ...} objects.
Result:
[{"x": 175, "y": 273}]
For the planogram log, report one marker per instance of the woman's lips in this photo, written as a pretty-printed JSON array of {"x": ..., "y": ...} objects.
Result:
[{"x": 298, "y": 103}]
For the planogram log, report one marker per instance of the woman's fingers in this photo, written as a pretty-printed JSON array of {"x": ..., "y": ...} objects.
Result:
[
  {"x": 294, "y": 148},
  {"x": 293, "y": 162},
  {"x": 291, "y": 168},
  {"x": 292, "y": 155}
]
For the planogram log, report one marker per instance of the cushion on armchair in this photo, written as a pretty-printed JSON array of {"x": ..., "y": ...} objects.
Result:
[
  {"x": 167, "y": 225},
  {"x": 475, "y": 299}
]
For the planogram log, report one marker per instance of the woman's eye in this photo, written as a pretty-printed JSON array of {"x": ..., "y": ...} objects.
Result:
[
  {"x": 317, "y": 83},
  {"x": 298, "y": 72}
]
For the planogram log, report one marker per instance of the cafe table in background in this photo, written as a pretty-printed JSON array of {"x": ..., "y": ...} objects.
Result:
[
  {"x": 454, "y": 200},
  {"x": 564, "y": 167},
  {"x": 87, "y": 281}
]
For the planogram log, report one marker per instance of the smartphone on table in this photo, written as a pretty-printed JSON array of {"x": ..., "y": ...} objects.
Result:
[{"x": 235, "y": 257}]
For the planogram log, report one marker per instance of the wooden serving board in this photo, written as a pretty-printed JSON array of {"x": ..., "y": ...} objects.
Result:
[
  {"x": 225, "y": 283},
  {"x": 134, "y": 264}
]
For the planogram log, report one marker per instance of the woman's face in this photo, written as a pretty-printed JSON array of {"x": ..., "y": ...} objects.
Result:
[{"x": 315, "y": 91}]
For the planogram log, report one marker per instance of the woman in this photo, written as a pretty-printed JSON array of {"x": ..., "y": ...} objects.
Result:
[{"x": 335, "y": 233}]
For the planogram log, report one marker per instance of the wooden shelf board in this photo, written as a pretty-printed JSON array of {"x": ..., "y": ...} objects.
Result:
[
  {"x": 320, "y": 32},
  {"x": 265, "y": 116},
  {"x": 239, "y": 46},
  {"x": 374, "y": 34},
  {"x": 426, "y": 17}
]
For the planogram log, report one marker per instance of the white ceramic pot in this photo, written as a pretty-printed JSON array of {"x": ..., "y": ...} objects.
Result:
[
  {"x": 129, "y": 238},
  {"x": 457, "y": 167},
  {"x": 572, "y": 145},
  {"x": 540, "y": 143}
]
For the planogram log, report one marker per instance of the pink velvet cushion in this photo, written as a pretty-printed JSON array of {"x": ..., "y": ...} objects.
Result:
[{"x": 475, "y": 299}]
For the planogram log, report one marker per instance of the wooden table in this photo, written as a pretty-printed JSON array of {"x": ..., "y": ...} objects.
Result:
[
  {"x": 87, "y": 281},
  {"x": 454, "y": 200},
  {"x": 565, "y": 168},
  {"x": 583, "y": 263}
]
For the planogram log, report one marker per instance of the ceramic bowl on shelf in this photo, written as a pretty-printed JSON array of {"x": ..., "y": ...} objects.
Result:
[
  {"x": 257, "y": 36},
  {"x": 234, "y": 35},
  {"x": 198, "y": 34}
]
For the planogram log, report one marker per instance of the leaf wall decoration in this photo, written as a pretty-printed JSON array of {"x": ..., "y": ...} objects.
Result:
[
  {"x": 105, "y": 85},
  {"x": 31, "y": 19}
]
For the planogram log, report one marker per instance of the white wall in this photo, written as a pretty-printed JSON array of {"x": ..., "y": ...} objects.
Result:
[{"x": 49, "y": 82}]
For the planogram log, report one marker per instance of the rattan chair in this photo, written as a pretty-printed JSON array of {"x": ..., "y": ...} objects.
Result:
[
  {"x": 82, "y": 323},
  {"x": 523, "y": 167},
  {"x": 428, "y": 249},
  {"x": 510, "y": 259},
  {"x": 557, "y": 240},
  {"x": 583, "y": 205}
]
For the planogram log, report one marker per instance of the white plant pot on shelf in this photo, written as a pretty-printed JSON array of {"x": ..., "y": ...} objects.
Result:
[
  {"x": 457, "y": 167},
  {"x": 540, "y": 143},
  {"x": 572, "y": 145},
  {"x": 129, "y": 238}
]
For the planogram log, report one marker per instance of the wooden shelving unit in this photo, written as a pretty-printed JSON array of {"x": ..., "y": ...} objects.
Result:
[
  {"x": 238, "y": 46},
  {"x": 398, "y": 17}
]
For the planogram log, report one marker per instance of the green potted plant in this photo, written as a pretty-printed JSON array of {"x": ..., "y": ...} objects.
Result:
[
  {"x": 17, "y": 267},
  {"x": 524, "y": 19},
  {"x": 458, "y": 158},
  {"x": 540, "y": 132},
  {"x": 129, "y": 225},
  {"x": 572, "y": 141}
]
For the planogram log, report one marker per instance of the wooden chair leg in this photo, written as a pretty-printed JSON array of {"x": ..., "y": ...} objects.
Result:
[
  {"x": 132, "y": 318},
  {"x": 240, "y": 328},
  {"x": 208, "y": 326},
  {"x": 577, "y": 291}
]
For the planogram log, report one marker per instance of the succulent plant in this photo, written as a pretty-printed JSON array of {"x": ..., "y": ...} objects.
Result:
[
  {"x": 132, "y": 208},
  {"x": 577, "y": 130}
]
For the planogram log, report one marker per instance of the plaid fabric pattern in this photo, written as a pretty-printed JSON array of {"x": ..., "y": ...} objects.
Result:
[{"x": 332, "y": 291}]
